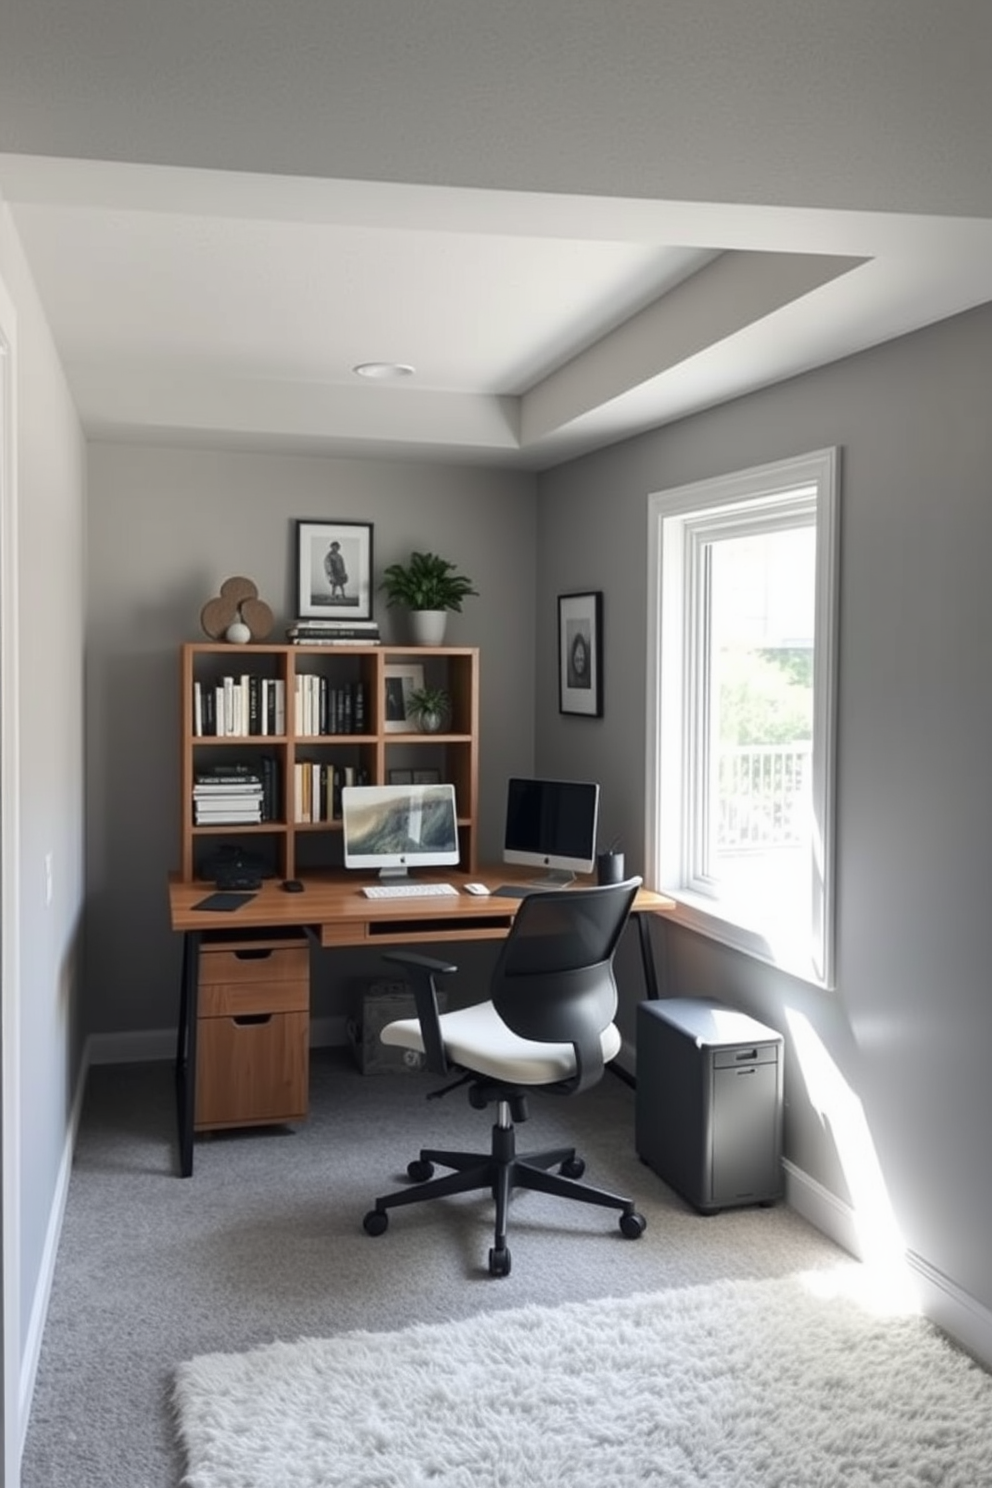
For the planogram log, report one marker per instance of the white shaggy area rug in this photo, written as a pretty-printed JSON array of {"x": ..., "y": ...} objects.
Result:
[{"x": 787, "y": 1383}]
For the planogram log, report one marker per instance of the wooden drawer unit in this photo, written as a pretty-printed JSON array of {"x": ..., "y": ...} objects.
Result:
[{"x": 253, "y": 1034}]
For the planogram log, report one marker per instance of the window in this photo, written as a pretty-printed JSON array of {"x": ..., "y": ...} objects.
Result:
[{"x": 741, "y": 688}]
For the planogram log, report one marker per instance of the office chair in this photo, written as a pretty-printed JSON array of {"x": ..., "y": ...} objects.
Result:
[{"x": 547, "y": 1027}]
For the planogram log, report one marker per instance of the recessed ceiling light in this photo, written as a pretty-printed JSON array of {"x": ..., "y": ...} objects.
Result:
[{"x": 384, "y": 371}]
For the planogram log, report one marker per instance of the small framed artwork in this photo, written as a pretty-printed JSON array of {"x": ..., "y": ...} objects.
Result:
[
  {"x": 427, "y": 777},
  {"x": 401, "y": 680},
  {"x": 580, "y": 654},
  {"x": 400, "y": 777},
  {"x": 334, "y": 570}
]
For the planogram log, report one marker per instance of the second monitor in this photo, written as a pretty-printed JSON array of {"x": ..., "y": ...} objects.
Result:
[{"x": 551, "y": 824}]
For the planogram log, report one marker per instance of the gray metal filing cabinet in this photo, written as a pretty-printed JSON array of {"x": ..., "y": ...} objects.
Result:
[{"x": 709, "y": 1102}]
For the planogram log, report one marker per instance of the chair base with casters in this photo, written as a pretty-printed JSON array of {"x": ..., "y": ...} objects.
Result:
[
  {"x": 547, "y": 1028},
  {"x": 500, "y": 1171}
]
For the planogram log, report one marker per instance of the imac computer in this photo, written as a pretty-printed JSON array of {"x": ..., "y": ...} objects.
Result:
[
  {"x": 392, "y": 828},
  {"x": 551, "y": 824}
]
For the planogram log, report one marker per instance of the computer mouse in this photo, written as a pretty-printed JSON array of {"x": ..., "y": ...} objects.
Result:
[{"x": 292, "y": 886}]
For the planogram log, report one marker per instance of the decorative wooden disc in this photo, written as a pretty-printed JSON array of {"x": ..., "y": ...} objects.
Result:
[
  {"x": 217, "y": 615},
  {"x": 238, "y": 589},
  {"x": 258, "y": 618}
]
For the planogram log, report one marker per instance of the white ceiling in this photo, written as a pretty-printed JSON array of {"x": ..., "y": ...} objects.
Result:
[{"x": 204, "y": 304}]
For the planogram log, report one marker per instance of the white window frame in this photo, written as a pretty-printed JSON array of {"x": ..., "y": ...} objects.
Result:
[{"x": 786, "y": 493}]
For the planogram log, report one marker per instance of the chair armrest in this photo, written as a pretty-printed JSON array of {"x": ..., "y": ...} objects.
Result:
[
  {"x": 424, "y": 969},
  {"x": 428, "y": 963}
]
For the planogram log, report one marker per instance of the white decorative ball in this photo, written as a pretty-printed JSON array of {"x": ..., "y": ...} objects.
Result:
[{"x": 238, "y": 633}]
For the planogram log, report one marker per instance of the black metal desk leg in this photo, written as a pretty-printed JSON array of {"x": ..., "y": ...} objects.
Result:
[
  {"x": 186, "y": 1050},
  {"x": 647, "y": 956}
]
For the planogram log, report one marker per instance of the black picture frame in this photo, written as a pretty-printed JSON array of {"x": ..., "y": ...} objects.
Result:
[
  {"x": 580, "y": 654},
  {"x": 320, "y": 596}
]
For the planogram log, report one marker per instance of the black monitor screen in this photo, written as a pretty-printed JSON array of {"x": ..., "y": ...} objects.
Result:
[{"x": 551, "y": 823}]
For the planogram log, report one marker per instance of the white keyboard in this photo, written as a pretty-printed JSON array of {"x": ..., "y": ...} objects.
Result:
[{"x": 409, "y": 891}]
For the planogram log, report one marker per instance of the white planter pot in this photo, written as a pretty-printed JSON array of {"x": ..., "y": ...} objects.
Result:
[{"x": 427, "y": 627}]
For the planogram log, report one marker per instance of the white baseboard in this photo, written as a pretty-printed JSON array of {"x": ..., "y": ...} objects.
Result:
[
  {"x": 940, "y": 1299},
  {"x": 31, "y": 1353}
]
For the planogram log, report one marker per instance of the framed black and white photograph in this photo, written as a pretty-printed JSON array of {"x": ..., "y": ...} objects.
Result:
[
  {"x": 401, "y": 679},
  {"x": 427, "y": 777},
  {"x": 399, "y": 777},
  {"x": 334, "y": 569},
  {"x": 580, "y": 654}
]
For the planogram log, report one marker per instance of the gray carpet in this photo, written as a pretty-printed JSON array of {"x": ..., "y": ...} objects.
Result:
[{"x": 265, "y": 1243}]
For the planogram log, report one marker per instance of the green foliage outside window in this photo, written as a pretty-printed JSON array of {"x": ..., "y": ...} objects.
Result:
[{"x": 766, "y": 696}]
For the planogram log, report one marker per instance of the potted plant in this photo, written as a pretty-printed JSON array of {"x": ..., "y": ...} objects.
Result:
[
  {"x": 428, "y": 586},
  {"x": 429, "y": 707}
]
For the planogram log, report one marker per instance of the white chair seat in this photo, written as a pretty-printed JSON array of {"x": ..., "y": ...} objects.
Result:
[{"x": 477, "y": 1039}]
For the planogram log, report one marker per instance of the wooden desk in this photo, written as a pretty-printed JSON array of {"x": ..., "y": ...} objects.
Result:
[{"x": 333, "y": 911}]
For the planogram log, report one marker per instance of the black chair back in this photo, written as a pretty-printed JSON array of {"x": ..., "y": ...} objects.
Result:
[{"x": 553, "y": 980}]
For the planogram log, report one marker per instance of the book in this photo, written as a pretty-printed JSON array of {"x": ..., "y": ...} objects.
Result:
[
  {"x": 348, "y": 626},
  {"x": 227, "y": 787},
  {"x": 270, "y": 787},
  {"x": 232, "y": 772},
  {"x": 346, "y": 633},
  {"x": 208, "y": 793},
  {"x": 225, "y": 811},
  {"x": 334, "y": 641}
]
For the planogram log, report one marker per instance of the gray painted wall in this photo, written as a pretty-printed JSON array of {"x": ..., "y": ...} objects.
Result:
[
  {"x": 166, "y": 527},
  {"x": 882, "y": 106},
  {"x": 42, "y": 1011},
  {"x": 898, "y": 1053}
]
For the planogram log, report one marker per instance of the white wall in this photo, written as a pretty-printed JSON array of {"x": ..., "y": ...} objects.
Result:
[
  {"x": 50, "y": 493},
  {"x": 166, "y": 527},
  {"x": 893, "y": 1065}
]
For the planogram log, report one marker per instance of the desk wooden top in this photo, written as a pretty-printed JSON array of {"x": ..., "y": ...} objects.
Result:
[{"x": 335, "y": 907}]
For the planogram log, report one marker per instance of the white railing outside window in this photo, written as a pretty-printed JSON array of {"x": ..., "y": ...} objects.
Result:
[{"x": 763, "y": 796}]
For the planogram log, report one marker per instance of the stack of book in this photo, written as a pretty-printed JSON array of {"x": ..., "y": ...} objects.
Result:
[
  {"x": 317, "y": 789},
  {"x": 237, "y": 706},
  {"x": 319, "y": 707},
  {"x": 334, "y": 633},
  {"x": 226, "y": 795}
]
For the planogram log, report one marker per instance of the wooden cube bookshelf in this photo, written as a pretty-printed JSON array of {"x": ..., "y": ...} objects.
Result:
[{"x": 350, "y": 733}]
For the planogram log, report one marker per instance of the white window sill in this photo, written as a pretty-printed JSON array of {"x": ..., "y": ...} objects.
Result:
[{"x": 775, "y": 944}]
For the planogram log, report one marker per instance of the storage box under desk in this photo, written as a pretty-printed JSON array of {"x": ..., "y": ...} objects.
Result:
[{"x": 253, "y": 1033}]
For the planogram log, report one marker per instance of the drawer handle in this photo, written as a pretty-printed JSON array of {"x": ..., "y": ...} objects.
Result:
[
  {"x": 251, "y": 1020},
  {"x": 253, "y": 953}
]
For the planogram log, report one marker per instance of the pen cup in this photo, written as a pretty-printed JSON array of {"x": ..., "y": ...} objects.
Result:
[{"x": 609, "y": 868}]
